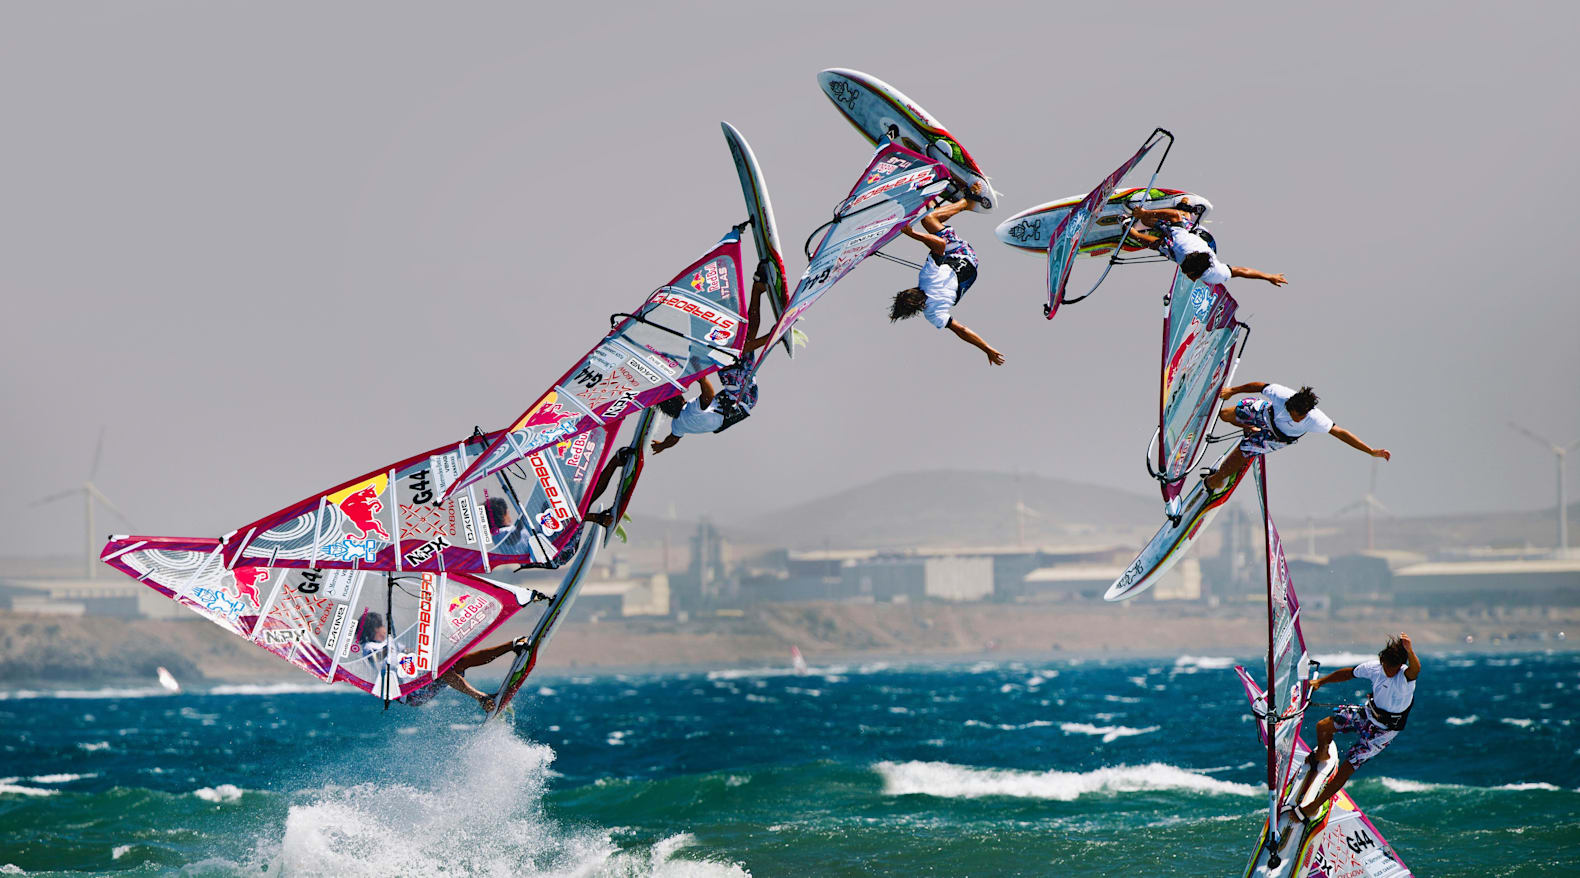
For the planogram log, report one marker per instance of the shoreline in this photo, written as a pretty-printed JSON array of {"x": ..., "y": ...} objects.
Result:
[{"x": 84, "y": 653}]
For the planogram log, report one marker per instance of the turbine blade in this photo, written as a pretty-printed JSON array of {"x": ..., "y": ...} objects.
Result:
[
  {"x": 98, "y": 454},
  {"x": 53, "y": 497},
  {"x": 99, "y": 495},
  {"x": 1545, "y": 443}
]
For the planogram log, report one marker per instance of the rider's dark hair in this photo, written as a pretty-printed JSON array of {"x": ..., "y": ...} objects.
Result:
[
  {"x": 907, "y": 303},
  {"x": 1196, "y": 264},
  {"x": 672, "y": 406},
  {"x": 1394, "y": 653},
  {"x": 1304, "y": 400}
]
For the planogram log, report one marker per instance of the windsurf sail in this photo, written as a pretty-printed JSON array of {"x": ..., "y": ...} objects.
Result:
[
  {"x": 402, "y": 518},
  {"x": 554, "y": 615},
  {"x": 684, "y": 330},
  {"x": 893, "y": 191},
  {"x": 1287, "y": 693},
  {"x": 385, "y": 633},
  {"x": 1065, "y": 244},
  {"x": 1202, "y": 343}
]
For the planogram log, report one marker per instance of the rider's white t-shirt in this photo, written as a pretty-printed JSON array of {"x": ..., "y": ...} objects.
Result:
[
  {"x": 941, "y": 286},
  {"x": 1392, "y": 694},
  {"x": 696, "y": 419},
  {"x": 1179, "y": 243},
  {"x": 1314, "y": 421}
]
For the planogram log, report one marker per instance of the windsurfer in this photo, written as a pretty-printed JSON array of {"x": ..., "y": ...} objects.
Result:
[
  {"x": 373, "y": 636},
  {"x": 511, "y": 535},
  {"x": 1275, "y": 418},
  {"x": 949, "y": 270},
  {"x": 1191, "y": 248},
  {"x": 1392, "y": 676},
  {"x": 714, "y": 410}
]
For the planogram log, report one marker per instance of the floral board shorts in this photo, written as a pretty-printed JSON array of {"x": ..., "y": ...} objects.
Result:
[
  {"x": 1371, "y": 739},
  {"x": 1256, "y": 413},
  {"x": 961, "y": 257}
]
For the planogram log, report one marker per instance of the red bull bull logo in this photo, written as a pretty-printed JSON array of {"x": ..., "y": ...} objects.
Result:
[
  {"x": 698, "y": 282},
  {"x": 247, "y": 579},
  {"x": 548, "y": 414},
  {"x": 361, "y": 507}
]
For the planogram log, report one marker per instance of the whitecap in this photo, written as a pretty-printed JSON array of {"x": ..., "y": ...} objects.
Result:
[
  {"x": 224, "y": 792},
  {"x": 17, "y": 790},
  {"x": 1461, "y": 720},
  {"x": 1109, "y": 733},
  {"x": 946, "y": 780}
]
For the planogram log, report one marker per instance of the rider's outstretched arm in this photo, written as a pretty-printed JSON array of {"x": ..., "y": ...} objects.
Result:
[
  {"x": 1355, "y": 442},
  {"x": 971, "y": 338},
  {"x": 1276, "y": 280}
]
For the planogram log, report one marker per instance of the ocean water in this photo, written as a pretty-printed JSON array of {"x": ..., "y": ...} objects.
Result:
[{"x": 996, "y": 768}]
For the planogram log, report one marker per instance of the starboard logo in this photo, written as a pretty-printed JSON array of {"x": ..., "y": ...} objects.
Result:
[{"x": 424, "y": 660}]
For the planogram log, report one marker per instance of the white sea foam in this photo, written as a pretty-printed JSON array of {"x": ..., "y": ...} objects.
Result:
[
  {"x": 1461, "y": 720},
  {"x": 1518, "y": 721},
  {"x": 119, "y": 851},
  {"x": 1398, "y": 785},
  {"x": 945, "y": 780},
  {"x": 1343, "y": 659},
  {"x": 1122, "y": 699},
  {"x": 473, "y": 805},
  {"x": 60, "y": 778},
  {"x": 12, "y": 789},
  {"x": 1190, "y": 664},
  {"x": 1007, "y": 727},
  {"x": 93, "y": 746},
  {"x": 224, "y": 792},
  {"x": 1109, "y": 733}
]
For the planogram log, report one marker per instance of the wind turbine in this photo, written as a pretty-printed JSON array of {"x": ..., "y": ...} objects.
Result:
[
  {"x": 1371, "y": 504},
  {"x": 89, "y": 494},
  {"x": 1559, "y": 453}
]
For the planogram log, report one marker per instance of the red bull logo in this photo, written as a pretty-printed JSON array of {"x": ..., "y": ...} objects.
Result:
[
  {"x": 698, "y": 281},
  {"x": 361, "y": 507},
  {"x": 247, "y": 579},
  {"x": 545, "y": 415}
]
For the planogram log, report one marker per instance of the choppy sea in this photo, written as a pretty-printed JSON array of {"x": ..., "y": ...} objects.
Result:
[{"x": 1062, "y": 768}]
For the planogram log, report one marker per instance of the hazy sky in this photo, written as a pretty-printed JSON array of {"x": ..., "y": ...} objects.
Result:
[{"x": 272, "y": 246}]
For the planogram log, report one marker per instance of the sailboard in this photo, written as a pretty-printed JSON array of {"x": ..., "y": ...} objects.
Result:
[
  {"x": 688, "y": 328},
  {"x": 630, "y": 472},
  {"x": 401, "y": 517},
  {"x": 553, "y": 616},
  {"x": 760, "y": 213},
  {"x": 1339, "y": 840},
  {"x": 1174, "y": 539},
  {"x": 1064, "y": 244},
  {"x": 1203, "y": 339},
  {"x": 1030, "y": 230},
  {"x": 878, "y": 111},
  {"x": 325, "y": 620},
  {"x": 891, "y": 193}
]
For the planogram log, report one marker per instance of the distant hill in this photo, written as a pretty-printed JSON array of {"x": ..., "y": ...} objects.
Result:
[{"x": 955, "y": 508}]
